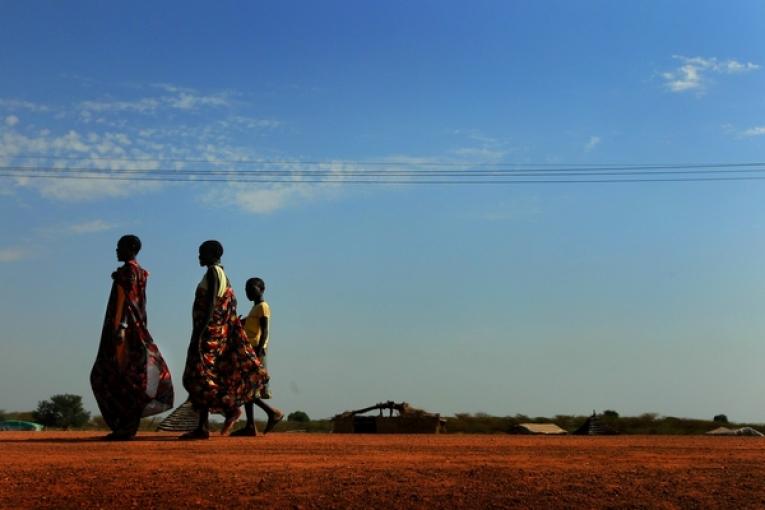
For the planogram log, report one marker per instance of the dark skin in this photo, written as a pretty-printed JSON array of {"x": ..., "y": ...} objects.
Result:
[
  {"x": 255, "y": 294},
  {"x": 206, "y": 258},
  {"x": 125, "y": 253}
]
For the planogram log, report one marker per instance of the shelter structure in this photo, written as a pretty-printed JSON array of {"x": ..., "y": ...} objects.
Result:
[
  {"x": 19, "y": 426},
  {"x": 743, "y": 431},
  {"x": 182, "y": 419},
  {"x": 407, "y": 420},
  {"x": 546, "y": 429},
  {"x": 594, "y": 426}
]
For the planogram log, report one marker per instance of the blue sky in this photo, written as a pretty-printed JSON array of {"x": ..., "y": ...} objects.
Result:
[{"x": 533, "y": 298}]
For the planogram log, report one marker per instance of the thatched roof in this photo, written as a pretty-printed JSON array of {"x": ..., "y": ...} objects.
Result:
[{"x": 538, "y": 428}]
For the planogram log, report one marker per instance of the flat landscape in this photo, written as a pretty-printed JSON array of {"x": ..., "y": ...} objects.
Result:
[{"x": 297, "y": 470}]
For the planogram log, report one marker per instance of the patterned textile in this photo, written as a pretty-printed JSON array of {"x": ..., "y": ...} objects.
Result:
[
  {"x": 222, "y": 370},
  {"x": 131, "y": 380}
]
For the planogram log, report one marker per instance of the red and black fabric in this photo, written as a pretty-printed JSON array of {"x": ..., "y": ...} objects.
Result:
[
  {"x": 141, "y": 385},
  {"x": 222, "y": 370}
]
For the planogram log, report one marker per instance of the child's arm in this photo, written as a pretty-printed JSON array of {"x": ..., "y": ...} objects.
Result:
[{"x": 263, "y": 336}]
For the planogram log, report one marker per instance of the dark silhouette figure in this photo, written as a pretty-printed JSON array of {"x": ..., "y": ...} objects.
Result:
[
  {"x": 256, "y": 326},
  {"x": 130, "y": 379},
  {"x": 222, "y": 370}
]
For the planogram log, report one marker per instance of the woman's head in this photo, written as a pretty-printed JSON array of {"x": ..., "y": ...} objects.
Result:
[
  {"x": 210, "y": 252},
  {"x": 128, "y": 247}
]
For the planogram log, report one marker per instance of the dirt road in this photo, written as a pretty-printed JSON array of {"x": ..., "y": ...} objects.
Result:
[{"x": 293, "y": 470}]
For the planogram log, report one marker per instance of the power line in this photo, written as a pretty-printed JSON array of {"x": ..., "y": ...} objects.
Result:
[
  {"x": 384, "y": 181},
  {"x": 394, "y": 163},
  {"x": 406, "y": 175}
]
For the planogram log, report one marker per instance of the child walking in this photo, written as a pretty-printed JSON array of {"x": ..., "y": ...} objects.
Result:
[{"x": 256, "y": 325}]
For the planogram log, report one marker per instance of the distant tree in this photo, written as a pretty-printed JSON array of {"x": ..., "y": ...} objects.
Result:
[
  {"x": 298, "y": 416},
  {"x": 610, "y": 413},
  {"x": 2, "y": 415},
  {"x": 98, "y": 422},
  {"x": 62, "y": 411},
  {"x": 720, "y": 418}
]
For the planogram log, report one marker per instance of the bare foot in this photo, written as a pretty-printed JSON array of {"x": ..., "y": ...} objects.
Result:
[
  {"x": 273, "y": 419},
  {"x": 231, "y": 419},
  {"x": 195, "y": 434},
  {"x": 245, "y": 431}
]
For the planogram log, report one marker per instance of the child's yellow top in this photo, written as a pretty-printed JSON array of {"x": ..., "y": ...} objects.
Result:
[{"x": 252, "y": 325}]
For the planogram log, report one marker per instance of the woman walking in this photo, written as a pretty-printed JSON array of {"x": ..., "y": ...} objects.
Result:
[
  {"x": 222, "y": 370},
  {"x": 130, "y": 380}
]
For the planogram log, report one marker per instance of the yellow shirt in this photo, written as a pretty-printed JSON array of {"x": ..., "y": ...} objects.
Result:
[{"x": 252, "y": 325}]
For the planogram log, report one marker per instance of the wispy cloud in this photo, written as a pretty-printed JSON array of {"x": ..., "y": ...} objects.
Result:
[
  {"x": 593, "y": 142},
  {"x": 12, "y": 254},
  {"x": 693, "y": 73},
  {"x": 90, "y": 227},
  {"x": 20, "y": 104},
  {"x": 177, "y": 98},
  {"x": 755, "y": 131},
  {"x": 11, "y": 120},
  {"x": 143, "y": 105},
  {"x": 482, "y": 148}
]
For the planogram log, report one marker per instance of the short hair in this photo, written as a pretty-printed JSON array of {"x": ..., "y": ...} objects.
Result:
[
  {"x": 212, "y": 248},
  {"x": 255, "y": 282},
  {"x": 130, "y": 243}
]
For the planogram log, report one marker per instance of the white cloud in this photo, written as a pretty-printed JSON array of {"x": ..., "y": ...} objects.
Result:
[
  {"x": 11, "y": 120},
  {"x": 755, "y": 131},
  {"x": 11, "y": 254},
  {"x": 179, "y": 99},
  {"x": 144, "y": 105},
  {"x": 90, "y": 227},
  {"x": 593, "y": 142},
  {"x": 19, "y": 104},
  {"x": 692, "y": 74},
  {"x": 485, "y": 149},
  {"x": 99, "y": 152}
]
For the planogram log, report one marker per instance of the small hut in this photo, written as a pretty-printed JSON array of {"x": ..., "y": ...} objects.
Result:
[
  {"x": 593, "y": 426},
  {"x": 407, "y": 420},
  {"x": 546, "y": 429},
  {"x": 19, "y": 426}
]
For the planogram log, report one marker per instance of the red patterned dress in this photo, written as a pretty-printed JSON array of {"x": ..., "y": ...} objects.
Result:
[
  {"x": 222, "y": 370},
  {"x": 131, "y": 380}
]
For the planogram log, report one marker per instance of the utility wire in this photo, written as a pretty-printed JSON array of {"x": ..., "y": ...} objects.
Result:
[
  {"x": 384, "y": 181},
  {"x": 591, "y": 174}
]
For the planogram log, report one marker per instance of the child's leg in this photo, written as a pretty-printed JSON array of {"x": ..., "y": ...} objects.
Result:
[{"x": 274, "y": 415}]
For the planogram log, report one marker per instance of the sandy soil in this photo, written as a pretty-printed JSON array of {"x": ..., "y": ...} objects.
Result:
[{"x": 295, "y": 471}]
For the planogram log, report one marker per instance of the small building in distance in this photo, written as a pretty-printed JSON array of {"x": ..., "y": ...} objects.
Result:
[
  {"x": 20, "y": 426},
  {"x": 407, "y": 420},
  {"x": 593, "y": 426},
  {"x": 545, "y": 429},
  {"x": 743, "y": 431}
]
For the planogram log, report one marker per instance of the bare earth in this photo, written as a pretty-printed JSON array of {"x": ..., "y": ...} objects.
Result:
[{"x": 293, "y": 470}]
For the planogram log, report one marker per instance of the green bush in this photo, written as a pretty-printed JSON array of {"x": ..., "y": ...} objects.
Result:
[
  {"x": 62, "y": 411},
  {"x": 298, "y": 416}
]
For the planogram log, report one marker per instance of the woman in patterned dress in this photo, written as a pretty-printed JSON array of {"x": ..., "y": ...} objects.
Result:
[
  {"x": 222, "y": 370},
  {"x": 130, "y": 379}
]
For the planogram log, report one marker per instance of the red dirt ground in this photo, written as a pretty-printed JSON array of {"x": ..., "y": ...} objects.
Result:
[{"x": 304, "y": 471}]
